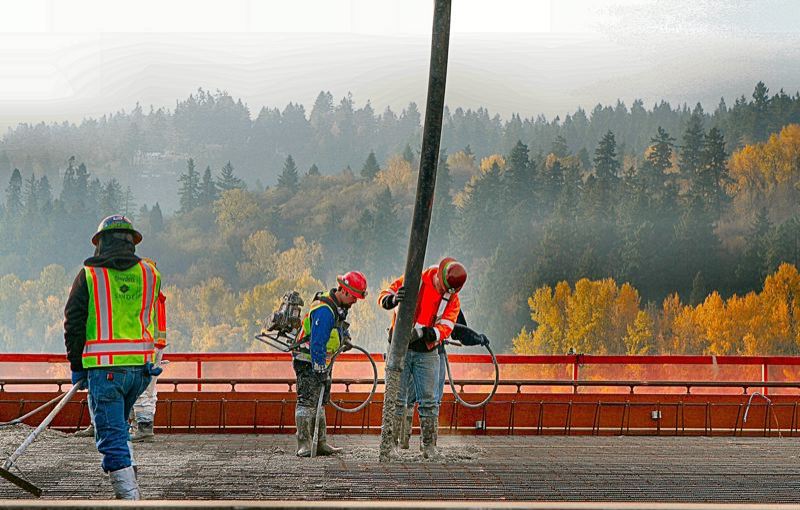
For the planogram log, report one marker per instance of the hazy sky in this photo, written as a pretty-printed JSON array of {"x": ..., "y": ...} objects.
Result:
[{"x": 69, "y": 59}]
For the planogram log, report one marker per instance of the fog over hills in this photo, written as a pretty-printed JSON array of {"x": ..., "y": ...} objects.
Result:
[{"x": 555, "y": 57}]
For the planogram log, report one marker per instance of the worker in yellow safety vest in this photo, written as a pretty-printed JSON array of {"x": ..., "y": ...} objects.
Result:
[{"x": 109, "y": 332}]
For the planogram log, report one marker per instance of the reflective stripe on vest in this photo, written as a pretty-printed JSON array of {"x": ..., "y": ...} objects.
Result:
[{"x": 119, "y": 326}]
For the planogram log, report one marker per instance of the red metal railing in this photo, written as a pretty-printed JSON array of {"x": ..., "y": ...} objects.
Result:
[
  {"x": 564, "y": 367},
  {"x": 570, "y": 394}
]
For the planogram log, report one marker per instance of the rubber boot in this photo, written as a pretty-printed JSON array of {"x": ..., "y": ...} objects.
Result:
[
  {"x": 304, "y": 421},
  {"x": 87, "y": 432},
  {"x": 124, "y": 483},
  {"x": 405, "y": 430},
  {"x": 144, "y": 432},
  {"x": 323, "y": 448},
  {"x": 429, "y": 424}
]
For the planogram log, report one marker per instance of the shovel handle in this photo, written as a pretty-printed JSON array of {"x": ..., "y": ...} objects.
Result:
[{"x": 33, "y": 435}]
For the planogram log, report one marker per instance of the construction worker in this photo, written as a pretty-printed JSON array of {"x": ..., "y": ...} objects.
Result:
[
  {"x": 109, "y": 330},
  {"x": 144, "y": 408},
  {"x": 437, "y": 310},
  {"x": 323, "y": 331}
]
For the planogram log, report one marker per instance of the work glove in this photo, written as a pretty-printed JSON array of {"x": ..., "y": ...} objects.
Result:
[
  {"x": 467, "y": 336},
  {"x": 80, "y": 378},
  {"x": 152, "y": 370},
  {"x": 392, "y": 300},
  {"x": 161, "y": 345},
  {"x": 425, "y": 334}
]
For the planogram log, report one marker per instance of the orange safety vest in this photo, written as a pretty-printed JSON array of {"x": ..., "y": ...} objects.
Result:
[{"x": 433, "y": 309}]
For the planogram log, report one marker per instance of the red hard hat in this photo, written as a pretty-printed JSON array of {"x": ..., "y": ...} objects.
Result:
[
  {"x": 353, "y": 283},
  {"x": 452, "y": 273}
]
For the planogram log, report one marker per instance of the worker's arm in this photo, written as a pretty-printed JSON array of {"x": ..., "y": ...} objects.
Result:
[
  {"x": 75, "y": 312},
  {"x": 161, "y": 321},
  {"x": 322, "y": 322},
  {"x": 393, "y": 295}
]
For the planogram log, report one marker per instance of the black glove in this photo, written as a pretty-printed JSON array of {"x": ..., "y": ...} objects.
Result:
[
  {"x": 426, "y": 334},
  {"x": 468, "y": 337},
  {"x": 392, "y": 300},
  {"x": 399, "y": 296}
]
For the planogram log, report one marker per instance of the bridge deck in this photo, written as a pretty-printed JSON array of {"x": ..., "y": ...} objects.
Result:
[{"x": 499, "y": 468}]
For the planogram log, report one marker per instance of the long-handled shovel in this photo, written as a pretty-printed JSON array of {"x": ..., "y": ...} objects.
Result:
[{"x": 5, "y": 469}]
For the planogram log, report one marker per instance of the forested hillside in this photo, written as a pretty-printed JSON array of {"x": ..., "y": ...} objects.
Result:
[{"x": 689, "y": 211}]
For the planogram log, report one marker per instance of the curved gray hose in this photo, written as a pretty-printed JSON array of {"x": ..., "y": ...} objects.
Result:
[
  {"x": 491, "y": 393},
  {"x": 374, "y": 384}
]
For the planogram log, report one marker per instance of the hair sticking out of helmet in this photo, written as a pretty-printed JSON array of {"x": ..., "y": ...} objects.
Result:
[
  {"x": 453, "y": 274},
  {"x": 353, "y": 283}
]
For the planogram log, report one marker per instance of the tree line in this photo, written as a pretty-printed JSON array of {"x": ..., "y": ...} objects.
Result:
[{"x": 692, "y": 214}]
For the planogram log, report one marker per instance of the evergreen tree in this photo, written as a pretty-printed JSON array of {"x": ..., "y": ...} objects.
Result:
[
  {"x": 30, "y": 196},
  {"x": 288, "y": 179},
  {"x": 699, "y": 291},
  {"x": 691, "y": 154},
  {"x": 760, "y": 112},
  {"x": 208, "y": 189},
  {"x": 45, "y": 194},
  {"x": 69, "y": 185},
  {"x": 129, "y": 203},
  {"x": 659, "y": 160},
  {"x": 112, "y": 198},
  {"x": 156, "y": 219},
  {"x": 385, "y": 248},
  {"x": 14, "y": 194},
  {"x": 519, "y": 178},
  {"x": 755, "y": 264},
  {"x": 227, "y": 180},
  {"x": 698, "y": 247},
  {"x": 606, "y": 177},
  {"x": 408, "y": 155},
  {"x": 189, "y": 189},
  {"x": 559, "y": 147},
  {"x": 313, "y": 171},
  {"x": 713, "y": 175},
  {"x": 784, "y": 244},
  {"x": 370, "y": 168}
]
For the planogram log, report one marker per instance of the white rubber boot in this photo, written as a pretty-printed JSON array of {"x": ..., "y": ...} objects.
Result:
[{"x": 124, "y": 483}]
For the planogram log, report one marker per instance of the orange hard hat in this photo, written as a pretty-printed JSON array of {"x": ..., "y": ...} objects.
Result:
[
  {"x": 452, "y": 273},
  {"x": 353, "y": 283}
]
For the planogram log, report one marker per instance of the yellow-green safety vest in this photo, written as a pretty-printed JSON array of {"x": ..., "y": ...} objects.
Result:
[{"x": 122, "y": 316}]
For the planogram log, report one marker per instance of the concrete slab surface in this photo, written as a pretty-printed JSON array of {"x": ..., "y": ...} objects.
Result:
[{"x": 490, "y": 469}]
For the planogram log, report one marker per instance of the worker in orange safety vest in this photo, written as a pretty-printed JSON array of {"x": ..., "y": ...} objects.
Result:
[{"x": 437, "y": 310}]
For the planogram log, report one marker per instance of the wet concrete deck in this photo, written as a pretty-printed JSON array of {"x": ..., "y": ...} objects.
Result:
[{"x": 506, "y": 468}]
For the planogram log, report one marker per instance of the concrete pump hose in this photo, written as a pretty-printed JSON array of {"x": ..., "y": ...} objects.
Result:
[
  {"x": 374, "y": 383},
  {"x": 491, "y": 393}
]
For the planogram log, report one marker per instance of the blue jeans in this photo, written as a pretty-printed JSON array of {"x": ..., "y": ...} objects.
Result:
[
  {"x": 419, "y": 382},
  {"x": 112, "y": 392},
  {"x": 411, "y": 393}
]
